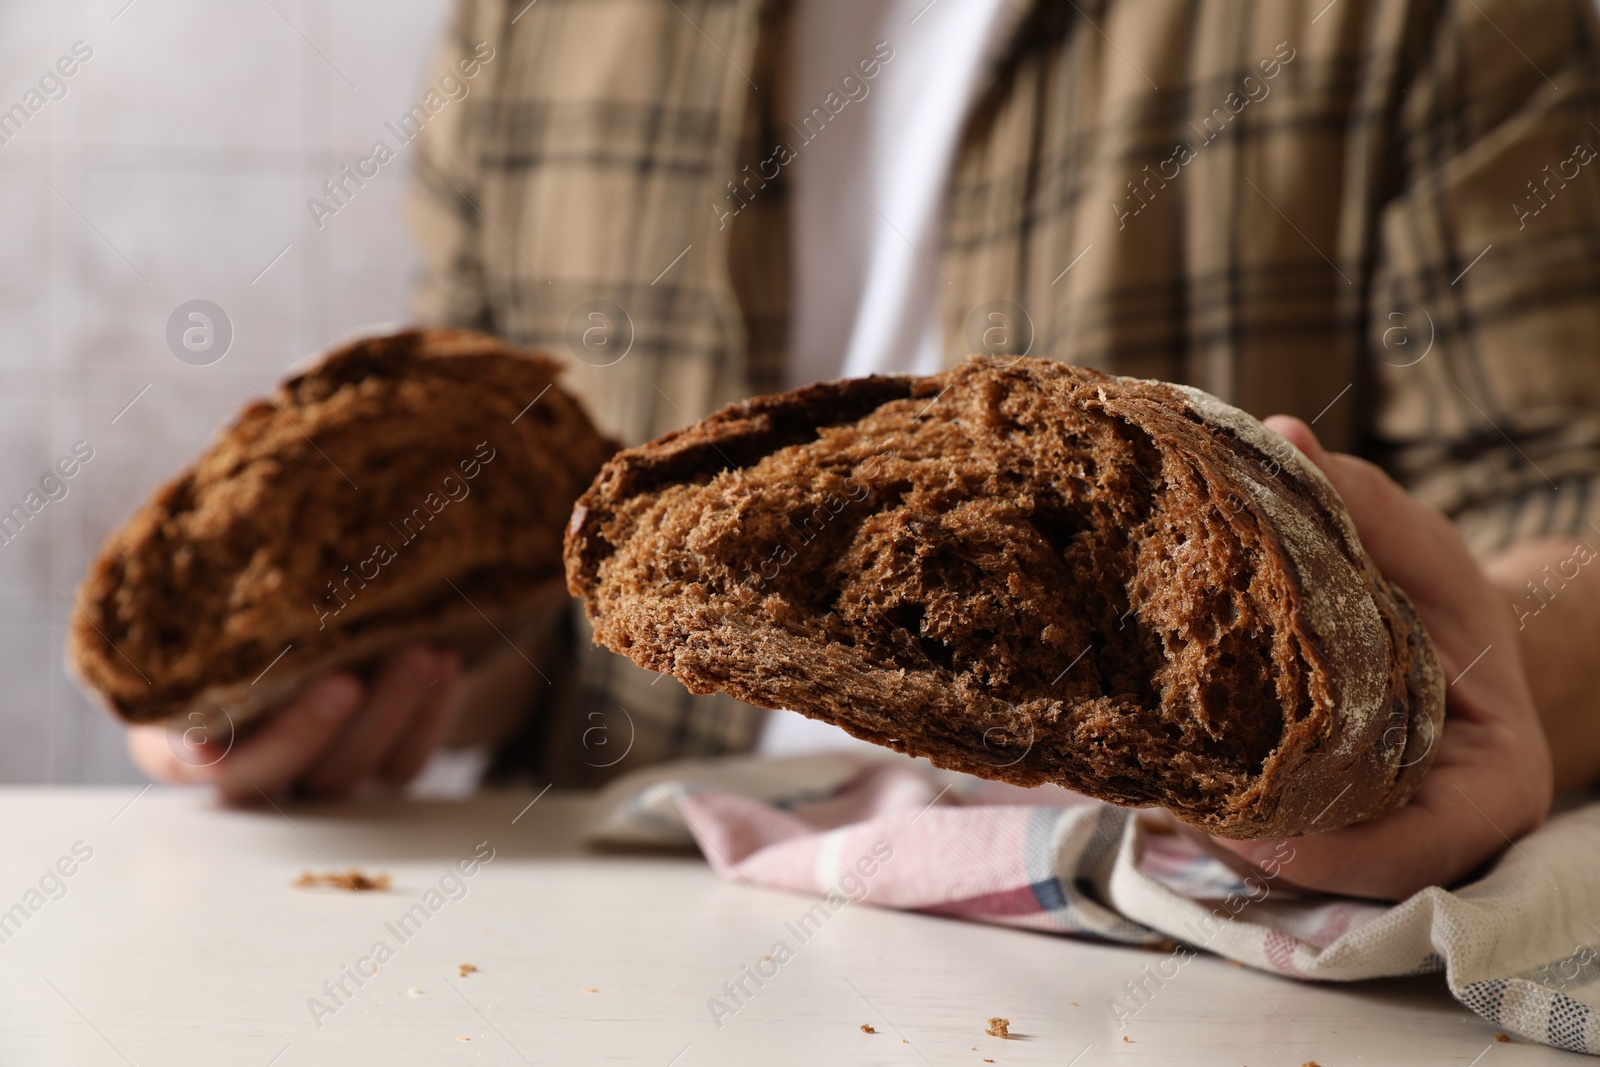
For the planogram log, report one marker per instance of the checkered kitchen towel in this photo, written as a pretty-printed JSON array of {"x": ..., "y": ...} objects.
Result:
[{"x": 1519, "y": 946}]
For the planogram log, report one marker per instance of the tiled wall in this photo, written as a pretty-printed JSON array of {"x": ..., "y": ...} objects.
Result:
[{"x": 176, "y": 166}]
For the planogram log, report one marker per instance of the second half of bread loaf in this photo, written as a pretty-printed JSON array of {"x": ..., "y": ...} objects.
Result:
[{"x": 406, "y": 487}]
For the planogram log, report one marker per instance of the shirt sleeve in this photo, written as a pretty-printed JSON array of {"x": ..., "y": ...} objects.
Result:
[
  {"x": 445, "y": 192},
  {"x": 1485, "y": 305}
]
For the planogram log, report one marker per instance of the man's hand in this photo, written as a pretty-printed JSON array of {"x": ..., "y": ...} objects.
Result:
[
  {"x": 335, "y": 735},
  {"x": 1491, "y": 778}
]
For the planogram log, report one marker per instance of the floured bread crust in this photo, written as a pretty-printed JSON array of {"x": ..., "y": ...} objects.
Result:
[
  {"x": 1031, "y": 572},
  {"x": 409, "y": 487}
]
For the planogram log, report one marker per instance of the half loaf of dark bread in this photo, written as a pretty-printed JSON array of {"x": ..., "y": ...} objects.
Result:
[
  {"x": 409, "y": 487},
  {"x": 1034, "y": 573}
]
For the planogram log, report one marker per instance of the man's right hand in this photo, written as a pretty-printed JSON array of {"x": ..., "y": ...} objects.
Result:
[{"x": 335, "y": 735}]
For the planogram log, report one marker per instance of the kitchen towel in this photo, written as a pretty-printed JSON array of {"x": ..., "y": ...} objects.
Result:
[{"x": 1519, "y": 945}]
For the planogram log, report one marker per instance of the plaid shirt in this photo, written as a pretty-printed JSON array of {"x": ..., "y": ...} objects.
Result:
[{"x": 1380, "y": 215}]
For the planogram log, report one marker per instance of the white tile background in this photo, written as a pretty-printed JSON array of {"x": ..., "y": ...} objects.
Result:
[{"x": 190, "y": 142}]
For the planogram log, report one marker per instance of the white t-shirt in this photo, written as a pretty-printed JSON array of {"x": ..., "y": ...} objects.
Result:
[{"x": 873, "y": 148}]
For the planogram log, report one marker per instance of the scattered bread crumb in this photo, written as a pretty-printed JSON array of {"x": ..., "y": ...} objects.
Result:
[
  {"x": 463, "y": 1037},
  {"x": 987, "y": 1060},
  {"x": 867, "y": 1028},
  {"x": 1311, "y": 1063},
  {"x": 1126, "y": 1040},
  {"x": 1504, "y": 1039},
  {"x": 590, "y": 989},
  {"x": 468, "y": 968},
  {"x": 353, "y": 880},
  {"x": 1235, "y": 963},
  {"x": 999, "y": 1027},
  {"x": 415, "y": 992},
  {"x": 1074, "y": 1003}
]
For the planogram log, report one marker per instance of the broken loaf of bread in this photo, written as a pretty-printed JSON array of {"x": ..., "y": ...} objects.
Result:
[
  {"x": 1033, "y": 573},
  {"x": 408, "y": 487}
]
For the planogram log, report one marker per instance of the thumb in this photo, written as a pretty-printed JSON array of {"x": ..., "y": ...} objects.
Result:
[
  {"x": 1300, "y": 435},
  {"x": 1413, "y": 544},
  {"x": 1368, "y": 493},
  {"x": 1365, "y": 489}
]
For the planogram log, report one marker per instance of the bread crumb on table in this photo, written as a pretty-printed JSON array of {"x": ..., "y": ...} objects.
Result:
[
  {"x": 1504, "y": 1039},
  {"x": 463, "y": 1037},
  {"x": 590, "y": 989},
  {"x": 999, "y": 1027},
  {"x": 467, "y": 968},
  {"x": 868, "y": 1028},
  {"x": 352, "y": 880}
]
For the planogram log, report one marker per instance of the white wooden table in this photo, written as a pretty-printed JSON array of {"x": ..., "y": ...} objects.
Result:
[{"x": 180, "y": 940}]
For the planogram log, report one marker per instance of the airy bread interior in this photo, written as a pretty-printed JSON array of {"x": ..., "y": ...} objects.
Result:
[{"x": 1007, "y": 582}]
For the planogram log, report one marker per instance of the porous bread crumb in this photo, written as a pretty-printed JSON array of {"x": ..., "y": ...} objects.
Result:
[
  {"x": 1504, "y": 1039},
  {"x": 1126, "y": 1040},
  {"x": 415, "y": 992},
  {"x": 999, "y": 1027},
  {"x": 590, "y": 989},
  {"x": 352, "y": 880},
  {"x": 468, "y": 968},
  {"x": 946, "y": 587},
  {"x": 463, "y": 1037},
  {"x": 867, "y": 1028}
]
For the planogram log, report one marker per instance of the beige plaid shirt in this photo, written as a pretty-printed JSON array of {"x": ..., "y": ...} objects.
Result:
[{"x": 1380, "y": 215}]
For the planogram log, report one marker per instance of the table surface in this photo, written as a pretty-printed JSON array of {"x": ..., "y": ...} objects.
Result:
[{"x": 178, "y": 939}]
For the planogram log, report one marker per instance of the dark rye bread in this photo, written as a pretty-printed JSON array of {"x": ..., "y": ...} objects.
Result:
[
  {"x": 332, "y": 520},
  {"x": 1030, "y": 572}
]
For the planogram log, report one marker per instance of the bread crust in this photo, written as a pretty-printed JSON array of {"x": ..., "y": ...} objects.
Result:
[
  {"x": 654, "y": 548},
  {"x": 409, "y": 487}
]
